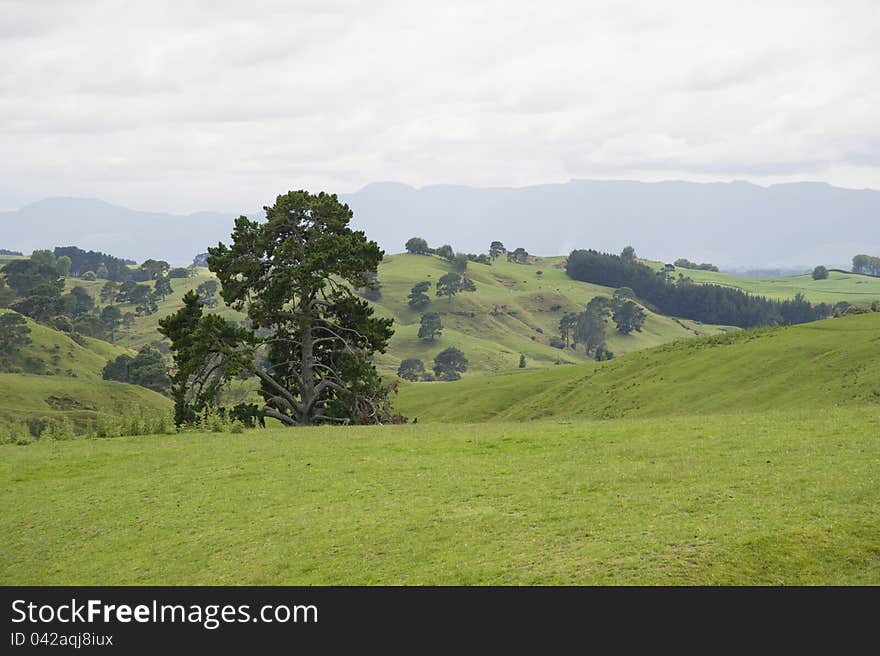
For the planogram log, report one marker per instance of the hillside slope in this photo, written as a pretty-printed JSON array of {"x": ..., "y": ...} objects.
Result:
[
  {"x": 835, "y": 362},
  {"x": 55, "y": 376},
  {"x": 514, "y": 311},
  {"x": 854, "y": 288}
]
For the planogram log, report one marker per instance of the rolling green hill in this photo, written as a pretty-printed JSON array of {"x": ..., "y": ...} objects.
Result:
[
  {"x": 835, "y": 362},
  {"x": 55, "y": 376},
  {"x": 514, "y": 311},
  {"x": 856, "y": 289}
]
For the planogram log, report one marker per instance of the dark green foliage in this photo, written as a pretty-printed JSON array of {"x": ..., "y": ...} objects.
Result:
[
  {"x": 6, "y": 295},
  {"x": 146, "y": 369},
  {"x": 200, "y": 260},
  {"x": 4, "y": 251},
  {"x": 162, "y": 287},
  {"x": 206, "y": 292},
  {"x": 418, "y": 299},
  {"x": 820, "y": 273},
  {"x": 417, "y": 246},
  {"x": 706, "y": 303},
  {"x": 43, "y": 303},
  {"x": 155, "y": 268},
  {"x": 108, "y": 291},
  {"x": 518, "y": 256},
  {"x": 602, "y": 353},
  {"x": 82, "y": 261},
  {"x": 372, "y": 291},
  {"x": 866, "y": 264},
  {"x": 446, "y": 252},
  {"x": 467, "y": 285},
  {"x": 286, "y": 274},
  {"x": 430, "y": 326},
  {"x": 628, "y": 254},
  {"x": 449, "y": 364},
  {"x": 141, "y": 296},
  {"x": 460, "y": 262},
  {"x": 89, "y": 276},
  {"x": 111, "y": 317},
  {"x": 180, "y": 272},
  {"x": 496, "y": 248},
  {"x": 522, "y": 361},
  {"x": 14, "y": 333},
  {"x": 44, "y": 258},
  {"x": 62, "y": 266},
  {"x": 589, "y": 330},
  {"x": 683, "y": 263},
  {"x": 23, "y": 276},
  {"x": 567, "y": 325},
  {"x": 208, "y": 352},
  {"x": 411, "y": 369},
  {"x": 449, "y": 285},
  {"x": 628, "y": 317},
  {"x": 482, "y": 258},
  {"x": 78, "y": 302}
]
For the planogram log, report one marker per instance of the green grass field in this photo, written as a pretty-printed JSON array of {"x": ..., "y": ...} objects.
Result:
[
  {"x": 830, "y": 362},
  {"x": 773, "y": 498}
]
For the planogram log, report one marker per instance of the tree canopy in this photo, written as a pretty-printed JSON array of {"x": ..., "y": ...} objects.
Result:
[{"x": 310, "y": 339}]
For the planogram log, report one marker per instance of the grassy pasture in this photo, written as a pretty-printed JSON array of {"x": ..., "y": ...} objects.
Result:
[
  {"x": 772, "y": 498},
  {"x": 830, "y": 362}
]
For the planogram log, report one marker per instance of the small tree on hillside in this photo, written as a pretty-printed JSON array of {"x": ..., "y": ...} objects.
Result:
[
  {"x": 108, "y": 292},
  {"x": 111, "y": 317},
  {"x": 417, "y": 246},
  {"x": 411, "y": 369},
  {"x": 467, "y": 285},
  {"x": 628, "y": 254},
  {"x": 460, "y": 262},
  {"x": 820, "y": 273},
  {"x": 207, "y": 292},
  {"x": 155, "y": 268},
  {"x": 430, "y": 326},
  {"x": 496, "y": 249},
  {"x": 14, "y": 333},
  {"x": 518, "y": 256},
  {"x": 446, "y": 252},
  {"x": 449, "y": 285},
  {"x": 162, "y": 287},
  {"x": 418, "y": 299},
  {"x": 450, "y": 364},
  {"x": 629, "y": 317}
]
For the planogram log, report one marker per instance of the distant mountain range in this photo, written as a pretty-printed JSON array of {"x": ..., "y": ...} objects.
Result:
[{"x": 736, "y": 224}]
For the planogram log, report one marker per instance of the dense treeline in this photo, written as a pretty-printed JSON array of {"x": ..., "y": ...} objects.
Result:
[
  {"x": 867, "y": 264},
  {"x": 706, "y": 303},
  {"x": 112, "y": 268}
]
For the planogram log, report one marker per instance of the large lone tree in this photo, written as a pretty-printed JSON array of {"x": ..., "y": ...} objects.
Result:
[{"x": 293, "y": 276}]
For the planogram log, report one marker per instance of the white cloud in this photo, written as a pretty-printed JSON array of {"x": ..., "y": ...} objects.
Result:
[{"x": 198, "y": 105}]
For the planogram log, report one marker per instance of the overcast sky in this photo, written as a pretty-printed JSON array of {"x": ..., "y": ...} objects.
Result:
[{"x": 182, "y": 105}]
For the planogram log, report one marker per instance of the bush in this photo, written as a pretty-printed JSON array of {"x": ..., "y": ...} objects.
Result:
[
  {"x": 89, "y": 275},
  {"x": 59, "y": 429}
]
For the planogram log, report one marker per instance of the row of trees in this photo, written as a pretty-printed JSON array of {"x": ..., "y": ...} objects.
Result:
[
  {"x": 419, "y": 246},
  {"x": 706, "y": 303},
  {"x": 866, "y": 264},
  {"x": 449, "y": 364},
  {"x": 683, "y": 263},
  {"x": 35, "y": 287},
  {"x": 589, "y": 328}
]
